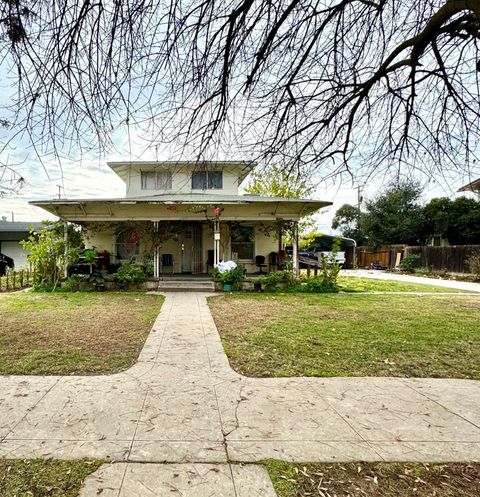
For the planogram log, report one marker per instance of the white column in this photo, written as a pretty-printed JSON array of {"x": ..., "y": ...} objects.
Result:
[
  {"x": 216, "y": 242},
  {"x": 156, "y": 271},
  {"x": 296, "y": 265}
]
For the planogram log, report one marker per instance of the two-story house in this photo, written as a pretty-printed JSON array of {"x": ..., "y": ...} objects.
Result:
[{"x": 184, "y": 217}]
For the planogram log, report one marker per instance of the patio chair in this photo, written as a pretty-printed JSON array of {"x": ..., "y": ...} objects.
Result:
[
  {"x": 273, "y": 262},
  {"x": 260, "y": 263},
  {"x": 166, "y": 262}
]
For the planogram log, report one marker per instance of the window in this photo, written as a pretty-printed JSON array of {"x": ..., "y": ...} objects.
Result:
[
  {"x": 243, "y": 241},
  {"x": 156, "y": 180},
  {"x": 207, "y": 180}
]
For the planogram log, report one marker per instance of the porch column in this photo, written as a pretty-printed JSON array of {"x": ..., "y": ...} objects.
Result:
[
  {"x": 156, "y": 256},
  {"x": 216, "y": 242},
  {"x": 296, "y": 265}
]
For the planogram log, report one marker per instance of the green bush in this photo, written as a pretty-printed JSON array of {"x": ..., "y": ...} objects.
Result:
[
  {"x": 73, "y": 283},
  {"x": 473, "y": 263},
  {"x": 129, "y": 272},
  {"x": 318, "y": 284},
  {"x": 280, "y": 279},
  {"x": 90, "y": 256},
  {"x": 410, "y": 263},
  {"x": 232, "y": 277}
]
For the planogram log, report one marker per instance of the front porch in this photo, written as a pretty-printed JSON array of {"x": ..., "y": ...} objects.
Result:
[{"x": 186, "y": 249}]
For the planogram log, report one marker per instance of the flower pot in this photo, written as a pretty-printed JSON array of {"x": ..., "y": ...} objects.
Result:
[{"x": 227, "y": 287}]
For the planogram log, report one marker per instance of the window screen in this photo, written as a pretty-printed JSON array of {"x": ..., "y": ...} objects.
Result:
[
  {"x": 199, "y": 180},
  {"x": 156, "y": 180}
]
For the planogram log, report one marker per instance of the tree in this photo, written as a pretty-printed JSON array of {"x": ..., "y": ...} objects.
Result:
[
  {"x": 456, "y": 220},
  {"x": 346, "y": 220},
  {"x": 394, "y": 217},
  {"x": 310, "y": 85},
  {"x": 278, "y": 182}
]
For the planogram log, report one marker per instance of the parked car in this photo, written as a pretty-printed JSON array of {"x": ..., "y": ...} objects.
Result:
[
  {"x": 6, "y": 263},
  {"x": 317, "y": 254}
]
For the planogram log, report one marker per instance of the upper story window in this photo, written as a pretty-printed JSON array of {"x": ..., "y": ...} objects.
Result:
[
  {"x": 156, "y": 180},
  {"x": 207, "y": 180}
]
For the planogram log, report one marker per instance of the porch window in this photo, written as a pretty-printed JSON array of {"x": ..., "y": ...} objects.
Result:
[
  {"x": 127, "y": 246},
  {"x": 207, "y": 180},
  {"x": 243, "y": 241},
  {"x": 156, "y": 180}
]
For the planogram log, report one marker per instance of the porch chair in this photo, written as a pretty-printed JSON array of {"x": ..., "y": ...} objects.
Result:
[
  {"x": 260, "y": 263},
  {"x": 273, "y": 262},
  {"x": 166, "y": 262}
]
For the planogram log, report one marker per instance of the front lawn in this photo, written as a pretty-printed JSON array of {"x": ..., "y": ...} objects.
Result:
[
  {"x": 354, "y": 284},
  {"x": 43, "y": 478},
  {"x": 73, "y": 333},
  {"x": 375, "y": 479},
  {"x": 350, "y": 334}
]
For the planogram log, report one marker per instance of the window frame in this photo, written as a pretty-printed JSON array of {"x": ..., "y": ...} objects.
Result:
[
  {"x": 207, "y": 181},
  {"x": 252, "y": 242},
  {"x": 165, "y": 173}
]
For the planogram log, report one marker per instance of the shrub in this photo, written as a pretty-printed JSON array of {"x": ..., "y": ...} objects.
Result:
[
  {"x": 410, "y": 263},
  {"x": 279, "y": 279},
  {"x": 329, "y": 267},
  {"x": 48, "y": 256},
  {"x": 473, "y": 263},
  {"x": 232, "y": 277},
  {"x": 73, "y": 283},
  {"x": 317, "y": 284},
  {"x": 90, "y": 256},
  {"x": 129, "y": 272}
]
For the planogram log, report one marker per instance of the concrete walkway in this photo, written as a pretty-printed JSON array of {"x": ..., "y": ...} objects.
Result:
[
  {"x": 462, "y": 286},
  {"x": 183, "y": 404}
]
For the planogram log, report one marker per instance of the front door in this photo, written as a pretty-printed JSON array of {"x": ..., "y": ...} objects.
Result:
[{"x": 186, "y": 245}]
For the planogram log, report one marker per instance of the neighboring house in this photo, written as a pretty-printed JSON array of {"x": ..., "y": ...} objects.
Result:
[
  {"x": 473, "y": 187},
  {"x": 11, "y": 233},
  {"x": 183, "y": 216}
]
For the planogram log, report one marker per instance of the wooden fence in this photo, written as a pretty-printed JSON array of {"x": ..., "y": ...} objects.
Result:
[
  {"x": 385, "y": 256},
  {"x": 452, "y": 258},
  {"x": 16, "y": 280}
]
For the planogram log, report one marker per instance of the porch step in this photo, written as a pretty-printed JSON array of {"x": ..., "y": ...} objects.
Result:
[{"x": 193, "y": 285}]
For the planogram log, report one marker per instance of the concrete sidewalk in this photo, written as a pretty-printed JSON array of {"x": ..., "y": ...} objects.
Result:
[
  {"x": 182, "y": 403},
  {"x": 462, "y": 286}
]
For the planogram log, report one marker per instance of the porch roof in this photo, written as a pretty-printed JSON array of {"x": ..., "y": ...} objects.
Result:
[{"x": 179, "y": 206}]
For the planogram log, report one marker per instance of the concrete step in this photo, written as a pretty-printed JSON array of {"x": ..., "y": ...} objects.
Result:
[{"x": 186, "y": 286}]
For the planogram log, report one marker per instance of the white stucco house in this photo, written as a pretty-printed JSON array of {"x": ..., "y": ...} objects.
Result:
[{"x": 183, "y": 217}]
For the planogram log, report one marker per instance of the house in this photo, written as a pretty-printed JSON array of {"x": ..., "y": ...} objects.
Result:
[
  {"x": 184, "y": 217},
  {"x": 473, "y": 187},
  {"x": 11, "y": 233}
]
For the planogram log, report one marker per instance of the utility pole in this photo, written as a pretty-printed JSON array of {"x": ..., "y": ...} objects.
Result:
[{"x": 359, "y": 196}]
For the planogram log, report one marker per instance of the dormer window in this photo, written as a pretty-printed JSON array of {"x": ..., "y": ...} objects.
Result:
[
  {"x": 156, "y": 180},
  {"x": 207, "y": 180}
]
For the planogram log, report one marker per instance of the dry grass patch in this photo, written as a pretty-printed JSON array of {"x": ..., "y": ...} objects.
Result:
[
  {"x": 375, "y": 479},
  {"x": 350, "y": 334},
  {"x": 73, "y": 333}
]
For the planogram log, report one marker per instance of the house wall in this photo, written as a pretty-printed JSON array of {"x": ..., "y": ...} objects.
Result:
[
  {"x": 264, "y": 244},
  {"x": 181, "y": 181}
]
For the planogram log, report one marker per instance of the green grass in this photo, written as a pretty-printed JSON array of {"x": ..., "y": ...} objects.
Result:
[
  {"x": 375, "y": 479},
  {"x": 73, "y": 333},
  {"x": 353, "y": 284},
  {"x": 350, "y": 335},
  {"x": 43, "y": 478}
]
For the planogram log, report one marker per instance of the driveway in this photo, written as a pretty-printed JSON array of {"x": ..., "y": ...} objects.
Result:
[{"x": 182, "y": 403}]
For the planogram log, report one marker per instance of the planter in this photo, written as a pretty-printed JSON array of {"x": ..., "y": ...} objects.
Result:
[{"x": 227, "y": 287}]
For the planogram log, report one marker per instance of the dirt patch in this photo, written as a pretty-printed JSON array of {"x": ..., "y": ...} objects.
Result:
[{"x": 376, "y": 479}]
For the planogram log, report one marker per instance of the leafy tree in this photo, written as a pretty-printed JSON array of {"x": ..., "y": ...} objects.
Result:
[
  {"x": 50, "y": 254},
  {"x": 456, "y": 220},
  {"x": 276, "y": 181},
  {"x": 311, "y": 82},
  {"x": 346, "y": 220},
  {"x": 394, "y": 217}
]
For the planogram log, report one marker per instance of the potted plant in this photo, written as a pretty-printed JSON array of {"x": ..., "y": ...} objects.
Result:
[{"x": 230, "y": 279}]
